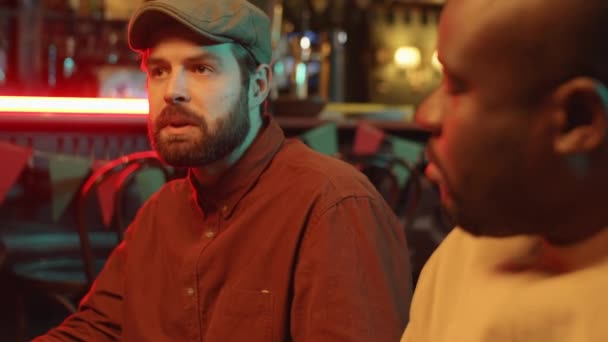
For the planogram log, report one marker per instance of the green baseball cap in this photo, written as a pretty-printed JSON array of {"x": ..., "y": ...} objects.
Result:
[{"x": 221, "y": 21}]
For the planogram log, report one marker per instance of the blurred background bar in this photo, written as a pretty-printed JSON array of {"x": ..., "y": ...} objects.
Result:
[
  {"x": 348, "y": 77},
  {"x": 334, "y": 61},
  {"x": 332, "y": 51}
]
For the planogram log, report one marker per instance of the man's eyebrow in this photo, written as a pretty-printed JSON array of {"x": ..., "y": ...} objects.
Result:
[
  {"x": 204, "y": 56},
  {"x": 154, "y": 60}
]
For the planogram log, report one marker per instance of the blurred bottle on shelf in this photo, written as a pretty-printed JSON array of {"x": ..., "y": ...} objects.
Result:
[
  {"x": 3, "y": 59},
  {"x": 310, "y": 53},
  {"x": 85, "y": 49},
  {"x": 68, "y": 65},
  {"x": 8, "y": 53},
  {"x": 52, "y": 72},
  {"x": 68, "y": 75}
]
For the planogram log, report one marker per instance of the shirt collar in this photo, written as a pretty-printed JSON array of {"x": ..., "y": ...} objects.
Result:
[
  {"x": 576, "y": 256},
  {"x": 240, "y": 178}
]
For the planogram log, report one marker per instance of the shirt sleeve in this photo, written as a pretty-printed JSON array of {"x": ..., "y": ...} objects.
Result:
[
  {"x": 99, "y": 316},
  {"x": 353, "y": 278}
]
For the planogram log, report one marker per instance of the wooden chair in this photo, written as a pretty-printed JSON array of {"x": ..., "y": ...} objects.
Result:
[
  {"x": 380, "y": 169},
  {"x": 130, "y": 165},
  {"x": 66, "y": 276},
  {"x": 417, "y": 204}
]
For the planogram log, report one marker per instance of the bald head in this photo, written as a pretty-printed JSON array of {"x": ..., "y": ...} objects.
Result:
[
  {"x": 589, "y": 30},
  {"x": 573, "y": 34},
  {"x": 521, "y": 98},
  {"x": 535, "y": 43}
]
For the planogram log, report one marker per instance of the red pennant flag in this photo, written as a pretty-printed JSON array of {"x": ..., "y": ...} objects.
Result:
[
  {"x": 106, "y": 191},
  {"x": 368, "y": 139},
  {"x": 14, "y": 159}
]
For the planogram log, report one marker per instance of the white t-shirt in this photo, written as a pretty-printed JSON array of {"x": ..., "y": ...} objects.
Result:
[{"x": 512, "y": 289}]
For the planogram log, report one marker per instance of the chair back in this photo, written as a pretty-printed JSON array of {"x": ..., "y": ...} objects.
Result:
[
  {"x": 380, "y": 169},
  {"x": 124, "y": 169}
]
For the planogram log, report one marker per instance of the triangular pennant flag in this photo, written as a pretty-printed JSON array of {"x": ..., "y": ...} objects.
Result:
[
  {"x": 67, "y": 174},
  {"x": 408, "y": 150},
  {"x": 14, "y": 159},
  {"x": 323, "y": 139},
  {"x": 368, "y": 139},
  {"x": 148, "y": 181},
  {"x": 106, "y": 192}
]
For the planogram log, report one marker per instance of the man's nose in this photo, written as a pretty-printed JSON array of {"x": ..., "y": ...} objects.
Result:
[
  {"x": 177, "y": 89},
  {"x": 429, "y": 114}
]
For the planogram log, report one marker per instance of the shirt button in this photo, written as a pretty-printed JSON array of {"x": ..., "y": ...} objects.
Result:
[
  {"x": 209, "y": 234},
  {"x": 225, "y": 209},
  {"x": 190, "y": 291}
]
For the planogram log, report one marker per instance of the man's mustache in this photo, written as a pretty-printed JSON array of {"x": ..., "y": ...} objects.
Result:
[{"x": 173, "y": 115}]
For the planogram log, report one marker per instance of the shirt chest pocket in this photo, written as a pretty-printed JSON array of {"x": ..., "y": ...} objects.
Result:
[{"x": 242, "y": 315}]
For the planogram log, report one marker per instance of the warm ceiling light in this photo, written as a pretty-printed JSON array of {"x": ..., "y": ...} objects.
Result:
[
  {"x": 79, "y": 105},
  {"x": 305, "y": 43},
  {"x": 407, "y": 57}
]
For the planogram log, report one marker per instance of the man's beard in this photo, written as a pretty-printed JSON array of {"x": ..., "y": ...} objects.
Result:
[{"x": 206, "y": 148}]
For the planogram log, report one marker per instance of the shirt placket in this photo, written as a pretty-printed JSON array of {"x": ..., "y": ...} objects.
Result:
[
  {"x": 210, "y": 230},
  {"x": 193, "y": 278},
  {"x": 211, "y": 233}
]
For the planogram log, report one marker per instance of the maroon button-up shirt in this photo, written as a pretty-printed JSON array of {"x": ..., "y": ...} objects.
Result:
[{"x": 290, "y": 245}]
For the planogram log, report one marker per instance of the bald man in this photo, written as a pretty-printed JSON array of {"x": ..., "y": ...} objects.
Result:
[{"x": 519, "y": 151}]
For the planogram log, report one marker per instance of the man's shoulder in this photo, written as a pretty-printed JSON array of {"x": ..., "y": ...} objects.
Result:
[
  {"x": 172, "y": 196},
  {"x": 315, "y": 171},
  {"x": 464, "y": 258},
  {"x": 463, "y": 247},
  {"x": 173, "y": 191}
]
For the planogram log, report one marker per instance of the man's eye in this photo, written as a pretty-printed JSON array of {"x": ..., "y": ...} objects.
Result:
[
  {"x": 201, "y": 69},
  {"x": 157, "y": 71}
]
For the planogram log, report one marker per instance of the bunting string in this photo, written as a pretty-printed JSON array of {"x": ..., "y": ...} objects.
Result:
[{"x": 67, "y": 173}]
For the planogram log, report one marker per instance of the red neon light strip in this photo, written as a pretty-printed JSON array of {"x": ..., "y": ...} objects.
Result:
[{"x": 73, "y": 105}]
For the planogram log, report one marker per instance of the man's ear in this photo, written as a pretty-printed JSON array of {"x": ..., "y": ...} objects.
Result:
[
  {"x": 259, "y": 85},
  {"x": 582, "y": 105}
]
